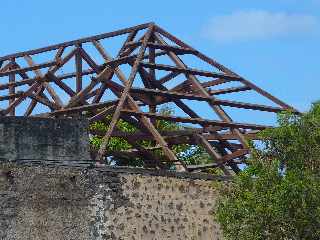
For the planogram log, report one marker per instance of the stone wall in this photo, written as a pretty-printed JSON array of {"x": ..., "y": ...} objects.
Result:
[
  {"x": 66, "y": 203},
  {"x": 50, "y": 190},
  {"x": 42, "y": 139}
]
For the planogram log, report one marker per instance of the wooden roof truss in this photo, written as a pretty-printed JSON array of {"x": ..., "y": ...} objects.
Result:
[{"x": 147, "y": 71}]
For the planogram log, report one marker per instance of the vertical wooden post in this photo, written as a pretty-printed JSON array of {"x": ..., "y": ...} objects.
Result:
[
  {"x": 78, "y": 62},
  {"x": 152, "y": 73},
  {"x": 152, "y": 56},
  {"x": 12, "y": 90}
]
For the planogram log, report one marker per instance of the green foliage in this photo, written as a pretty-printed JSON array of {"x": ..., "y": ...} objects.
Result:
[
  {"x": 296, "y": 142},
  {"x": 277, "y": 195},
  {"x": 115, "y": 143},
  {"x": 188, "y": 153}
]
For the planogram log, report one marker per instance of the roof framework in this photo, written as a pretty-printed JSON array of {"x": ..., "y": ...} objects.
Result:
[{"x": 151, "y": 68}]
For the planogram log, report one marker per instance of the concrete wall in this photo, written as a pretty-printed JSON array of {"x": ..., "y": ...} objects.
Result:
[
  {"x": 40, "y": 203},
  {"x": 43, "y": 139}
]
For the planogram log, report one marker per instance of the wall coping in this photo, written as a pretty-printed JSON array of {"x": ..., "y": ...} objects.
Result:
[{"x": 90, "y": 165}]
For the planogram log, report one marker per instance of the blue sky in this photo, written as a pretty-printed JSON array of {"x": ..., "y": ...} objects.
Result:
[{"x": 273, "y": 43}]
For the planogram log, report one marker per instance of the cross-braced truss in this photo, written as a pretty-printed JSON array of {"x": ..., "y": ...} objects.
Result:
[{"x": 151, "y": 68}]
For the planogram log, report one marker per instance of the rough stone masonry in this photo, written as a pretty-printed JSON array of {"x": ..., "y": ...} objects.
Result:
[{"x": 59, "y": 200}]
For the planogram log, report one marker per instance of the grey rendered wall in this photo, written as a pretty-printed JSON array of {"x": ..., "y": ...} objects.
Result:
[{"x": 43, "y": 139}]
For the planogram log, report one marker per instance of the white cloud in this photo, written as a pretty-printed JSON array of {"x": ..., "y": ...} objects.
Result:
[{"x": 258, "y": 24}]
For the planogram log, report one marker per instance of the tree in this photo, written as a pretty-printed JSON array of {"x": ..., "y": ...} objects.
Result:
[{"x": 278, "y": 195}]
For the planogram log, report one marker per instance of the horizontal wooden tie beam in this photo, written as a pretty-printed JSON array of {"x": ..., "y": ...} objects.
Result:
[
  {"x": 196, "y": 120},
  {"x": 188, "y": 71},
  {"x": 177, "y": 95},
  {"x": 229, "y": 90},
  {"x": 178, "y": 134},
  {"x": 27, "y": 69},
  {"x": 11, "y": 96},
  {"x": 84, "y": 108}
]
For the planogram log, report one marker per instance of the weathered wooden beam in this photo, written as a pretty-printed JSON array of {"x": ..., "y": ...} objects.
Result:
[
  {"x": 269, "y": 96},
  {"x": 39, "y": 91},
  {"x": 46, "y": 85},
  {"x": 107, "y": 58},
  {"x": 91, "y": 94},
  {"x": 174, "y": 137},
  {"x": 27, "y": 69},
  {"x": 229, "y": 90},
  {"x": 211, "y": 151},
  {"x": 84, "y": 108},
  {"x": 50, "y": 76},
  {"x": 7, "y": 66},
  {"x": 31, "y": 80},
  {"x": 11, "y": 96},
  {"x": 78, "y": 63},
  {"x": 63, "y": 61},
  {"x": 177, "y": 95},
  {"x": 152, "y": 75},
  {"x": 176, "y": 49},
  {"x": 188, "y": 71},
  {"x": 59, "y": 53},
  {"x": 196, "y": 120},
  {"x": 53, "y": 106},
  {"x": 184, "y": 87},
  {"x": 80, "y": 96},
  {"x": 187, "y": 85},
  {"x": 12, "y": 79},
  {"x": 58, "y": 56},
  {"x": 18, "y": 100},
  {"x": 105, "y": 112},
  {"x": 129, "y": 38},
  {"x": 89, "y": 60},
  {"x": 25, "y": 76},
  {"x": 215, "y": 82},
  {"x": 74, "y": 42},
  {"x": 20, "y": 83},
  {"x": 168, "y": 77},
  {"x": 73, "y": 74},
  {"x": 33, "y": 103}
]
